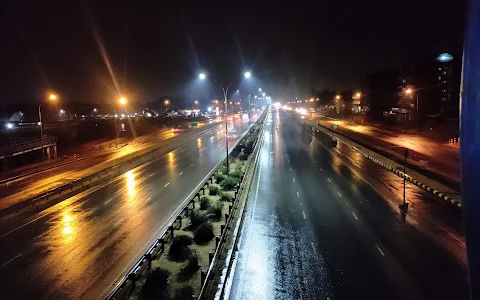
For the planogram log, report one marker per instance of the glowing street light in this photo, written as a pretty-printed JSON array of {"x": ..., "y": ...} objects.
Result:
[
  {"x": 410, "y": 92},
  {"x": 52, "y": 97},
  {"x": 195, "y": 102},
  {"x": 263, "y": 94},
  {"x": 166, "y": 102},
  {"x": 122, "y": 100},
  {"x": 203, "y": 76},
  {"x": 259, "y": 89},
  {"x": 337, "y": 97},
  {"x": 358, "y": 95}
]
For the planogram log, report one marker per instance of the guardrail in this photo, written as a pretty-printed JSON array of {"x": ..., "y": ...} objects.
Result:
[
  {"x": 84, "y": 183},
  {"x": 159, "y": 244},
  {"x": 25, "y": 145}
]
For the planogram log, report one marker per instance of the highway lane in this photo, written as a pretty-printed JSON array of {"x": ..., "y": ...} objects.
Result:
[
  {"x": 315, "y": 229},
  {"x": 80, "y": 247},
  {"x": 34, "y": 184}
]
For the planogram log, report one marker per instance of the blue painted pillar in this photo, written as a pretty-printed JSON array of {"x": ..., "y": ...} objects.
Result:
[{"x": 470, "y": 142}]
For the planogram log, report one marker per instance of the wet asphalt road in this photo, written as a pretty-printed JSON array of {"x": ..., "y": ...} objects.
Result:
[
  {"x": 78, "y": 248},
  {"x": 323, "y": 223}
]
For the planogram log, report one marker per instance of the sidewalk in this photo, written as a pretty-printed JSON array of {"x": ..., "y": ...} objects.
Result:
[
  {"x": 432, "y": 158},
  {"x": 97, "y": 156}
]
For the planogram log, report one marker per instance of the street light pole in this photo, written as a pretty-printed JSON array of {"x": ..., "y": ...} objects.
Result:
[
  {"x": 418, "y": 115},
  {"x": 41, "y": 125}
]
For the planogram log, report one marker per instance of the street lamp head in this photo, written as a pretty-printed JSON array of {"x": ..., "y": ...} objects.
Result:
[
  {"x": 202, "y": 76},
  {"x": 247, "y": 74},
  {"x": 337, "y": 97},
  {"x": 259, "y": 89},
  {"x": 263, "y": 94},
  {"x": 408, "y": 91},
  {"x": 167, "y": 102},
  {"x": 196, "y": 102},
  {"x": 122, "y": 100},
  {"x": 358, "y": 95},
  {"x": 52, "y": 97}
]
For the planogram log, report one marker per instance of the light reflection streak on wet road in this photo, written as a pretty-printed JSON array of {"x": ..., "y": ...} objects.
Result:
[
  {"x": 330, "y": 235},
  {"x": 79, "y": 247}
]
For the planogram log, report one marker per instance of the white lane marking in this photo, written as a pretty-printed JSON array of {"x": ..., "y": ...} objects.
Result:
[
  {"x": 114, "y": 225},
  {"x": 305, "y": 217},
  {"x": 379, "y": 250},
  {"x": 339, "y": 194},
  {"x": 151, "y": 175},
  {"x": 148, "y": 199},
  {"x": 180, "y": 174},
  {"x": 12, "y": 259},
  {"x": 321, "y": 169},
  {"x": 314, "y": 249},
  {"x": 293, "y": 179},
  {"x": 108, "y": 201},
  {"x": 191, "y": 165},
  {"x": 354, "y": 215},
  {"x": 182, "y": 150},
  {"x": 290, "y": 169},
  {"x": 329, "y": 180},
  {"x": 298, "y": 194},
  {"x": 315, "y": 161},
  {"x": 167, "y": 184}
]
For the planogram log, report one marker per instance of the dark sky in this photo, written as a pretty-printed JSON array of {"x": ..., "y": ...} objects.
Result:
[{"x": 157, "y": 48}]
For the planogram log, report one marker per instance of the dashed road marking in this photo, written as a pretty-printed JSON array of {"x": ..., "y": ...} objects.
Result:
[
  {"x": 118, "y": 222},
  {"x": 148, "y": 199},
  {"x": 290, "y": 169},
  {"x": 106, "y": 202},
  {"x": 354, "y": 215},
  {"x": 340, "y": 195},
  {"x": 305, "y": 217},
  {"x": 293, "y": 179},
  {"x": 180, "y": 174},
  {"x": 298, "y": 194},
  {"x": 10, "y": 260},
  {"x": 379, "y": 250},
  {"x": 329, "y": 180},
  {"x": 313, "y": 247},
  {"x": 167, "y": 184},
  {"x": 321, "y": 169},
  {"x": 191, "y": 165}
]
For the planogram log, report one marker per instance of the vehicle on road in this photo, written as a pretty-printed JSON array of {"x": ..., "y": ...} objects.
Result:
[
  {"x": 232, "y": 134},
  {"x": 194, "y": 124},
  {"x": 177, "y": 128}
]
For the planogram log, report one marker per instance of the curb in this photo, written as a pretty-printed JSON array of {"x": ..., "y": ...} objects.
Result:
[{"x": 401, "y": 174}]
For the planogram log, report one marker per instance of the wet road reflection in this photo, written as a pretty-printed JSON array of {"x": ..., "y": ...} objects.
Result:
[{"x": 323, "y": 223}]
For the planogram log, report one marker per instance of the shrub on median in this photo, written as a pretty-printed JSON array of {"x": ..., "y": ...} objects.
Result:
[
  {"x": 179, "y": 250},
  {"x": 156, "y": 284},
  {"x": 229, "y": 183},
  {"x": 185, "y": 292},
  {"x": 219, "y": 177},
  {"x": 243, "y": 156},
  {"x": 213, "y": 190},
  {"x": 236, "y": 174},
  {"x": 197, "y": 218},
  {"x": 203, "y": 234},
  {"x": 204, "y": 203},
  {"x": 215, "y": 212},
  {"x": 226, "y": 197}
]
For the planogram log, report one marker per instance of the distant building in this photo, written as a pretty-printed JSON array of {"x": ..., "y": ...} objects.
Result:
[{"x": 380, "y": 92}]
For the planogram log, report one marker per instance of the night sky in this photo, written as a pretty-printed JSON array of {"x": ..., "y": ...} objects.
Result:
[{"x": 157, "y": 49}]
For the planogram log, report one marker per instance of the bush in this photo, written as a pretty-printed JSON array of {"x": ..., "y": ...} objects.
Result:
[
  {"x": 219, "y": 177},
  {"x": 226, "y": 197},
  {"x": 236, "y": 174},
  {"x": 213, "y": 190},
  {"x": 216, "y": 211},
  {"x": 243, "y": 156},
  {"x": 229, "y": 183},
  {"x": 205, "y": 203},
  {"x": 197, "y": 218},
  {"x": 189, "y": 268},
  {"x": 179, "y": 250},
  {"x": 236, "y": 151},
  {"x": 155, "y": 284},
  {"x": 183, "y": 293},
  {"x": 203, "y": 234}
]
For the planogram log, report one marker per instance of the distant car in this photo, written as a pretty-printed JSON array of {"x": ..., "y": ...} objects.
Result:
[
  {"x": 232, "y": 134},
  {"x": 177, "y": 128}
]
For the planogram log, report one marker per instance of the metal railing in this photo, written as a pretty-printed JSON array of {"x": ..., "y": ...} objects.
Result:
[{"x": 26, "y": 145}]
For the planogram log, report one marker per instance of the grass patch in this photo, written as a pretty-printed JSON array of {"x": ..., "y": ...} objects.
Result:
[
  {"x": 185, "y": 292},
  {"x": 189, "y": 268}
]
